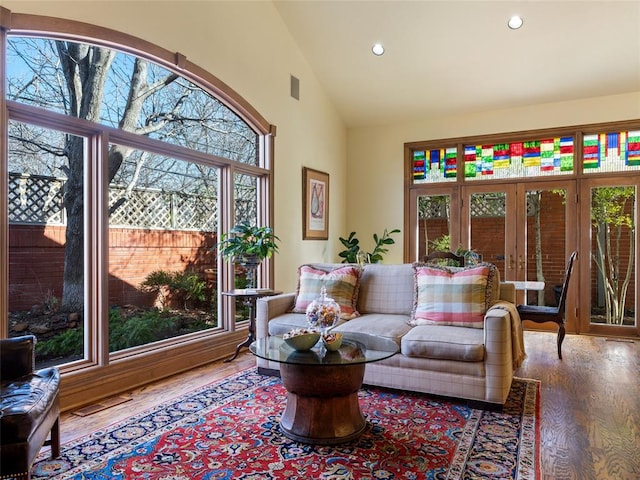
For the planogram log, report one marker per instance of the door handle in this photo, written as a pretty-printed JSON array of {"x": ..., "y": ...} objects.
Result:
[
  {"x": 521, "y": 262},
  {"x": 510, "y": 262}
]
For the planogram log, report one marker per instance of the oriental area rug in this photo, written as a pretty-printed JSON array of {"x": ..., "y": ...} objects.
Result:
[{"x": 230, "y": 430}]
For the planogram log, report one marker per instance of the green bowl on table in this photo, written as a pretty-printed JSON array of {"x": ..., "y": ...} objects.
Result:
[
  {"x": 332, "y": 341},
  {"x": 301, "y": 341}
]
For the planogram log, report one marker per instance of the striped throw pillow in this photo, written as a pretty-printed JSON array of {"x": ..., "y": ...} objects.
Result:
[
  {"x": 342, "y": 285},
  {"x": 456, "y": 296}
]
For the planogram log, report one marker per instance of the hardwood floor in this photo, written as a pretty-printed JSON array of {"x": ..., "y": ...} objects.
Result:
[{"x": 590, "y": 404}]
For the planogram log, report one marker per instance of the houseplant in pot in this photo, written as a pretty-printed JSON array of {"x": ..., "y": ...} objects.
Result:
[{"x": 248, "y": 245}]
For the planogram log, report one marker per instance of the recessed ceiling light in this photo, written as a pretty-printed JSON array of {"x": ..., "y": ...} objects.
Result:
[
  {"x": 377, "y": 49},
  {"x": 515, "y": 22}
]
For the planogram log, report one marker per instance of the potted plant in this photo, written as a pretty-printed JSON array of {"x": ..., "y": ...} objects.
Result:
[
  {"x": 248, "y": 245},
  {"x": 354, "y": 254}
]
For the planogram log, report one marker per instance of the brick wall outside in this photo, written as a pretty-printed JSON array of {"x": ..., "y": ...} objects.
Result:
[{"x": 36, "y": 261}]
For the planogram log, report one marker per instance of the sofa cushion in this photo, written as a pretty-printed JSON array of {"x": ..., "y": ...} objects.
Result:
[
  {"x": 444, "y": 342},
  {"x": 386, "y": 289},
  {"x": 453, "y": 296},
  {"x": 286, "y": 322},
  {"x": 341, "y": 284},
  {"x": 393, "y": 327}
]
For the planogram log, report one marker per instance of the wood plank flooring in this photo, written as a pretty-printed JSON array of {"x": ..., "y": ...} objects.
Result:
[
  {"x": 590, "y": 407},
  {"x": 590, "y": 410}
]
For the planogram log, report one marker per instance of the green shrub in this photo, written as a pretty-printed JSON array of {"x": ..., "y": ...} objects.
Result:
[
  {"x": 187, "y": 287},
  {"x": 65, "y": 344},
  {"x": 148, "y": 327}
]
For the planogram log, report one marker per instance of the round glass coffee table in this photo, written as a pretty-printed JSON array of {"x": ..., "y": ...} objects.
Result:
[{"x": 322, "y": 386}]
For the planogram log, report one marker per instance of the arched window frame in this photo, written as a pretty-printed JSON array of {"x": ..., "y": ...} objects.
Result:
[{"x": 116, "y": 374}]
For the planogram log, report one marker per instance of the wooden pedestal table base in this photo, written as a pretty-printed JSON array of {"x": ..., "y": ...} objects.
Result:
[
  {"x": 322, "y": 403},
  {"x": 322, "y": 399}
]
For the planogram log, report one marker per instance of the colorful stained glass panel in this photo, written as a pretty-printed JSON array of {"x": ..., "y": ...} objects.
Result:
[
  {"x": 434, "y": 165},
  {"x": 611, "y": 151}
]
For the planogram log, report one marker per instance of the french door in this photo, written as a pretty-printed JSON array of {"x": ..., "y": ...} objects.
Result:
[
  {"x": 610, "y": 239},
  {"x": 528, "y": 230}
]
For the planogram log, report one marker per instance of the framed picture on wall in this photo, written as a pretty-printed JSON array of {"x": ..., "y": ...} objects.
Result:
[{"x": 315, "y": 205}]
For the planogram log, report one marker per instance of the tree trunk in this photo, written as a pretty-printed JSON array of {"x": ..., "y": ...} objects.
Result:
[{"x": 85, "y": 70}]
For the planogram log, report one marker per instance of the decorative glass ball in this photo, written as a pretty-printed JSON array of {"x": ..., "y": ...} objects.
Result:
[{"x": 323, "y": 313}]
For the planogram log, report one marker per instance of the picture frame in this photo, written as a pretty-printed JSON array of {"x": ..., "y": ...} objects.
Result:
[{"x": 315, "y": 204}]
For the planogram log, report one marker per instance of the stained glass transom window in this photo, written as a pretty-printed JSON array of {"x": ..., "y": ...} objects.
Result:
[
  {"x": 611, "y": 152},
  {"x": 547, "y": 157},
  {"x": 550, "y": 156},
  {"x": 436, "y": 165}
]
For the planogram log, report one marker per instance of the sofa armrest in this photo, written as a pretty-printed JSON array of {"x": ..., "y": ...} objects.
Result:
[
  {"x": 270, "y": 307},
  {"x": 498, "y": 354}
]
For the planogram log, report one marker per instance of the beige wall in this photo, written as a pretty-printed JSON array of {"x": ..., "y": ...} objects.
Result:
[
  {"x": 375, "y": 171},
  {"x": 246, "y": 45}
]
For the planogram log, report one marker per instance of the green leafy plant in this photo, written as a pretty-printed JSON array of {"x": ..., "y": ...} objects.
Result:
[
  {"x": 441, "y": 244},
  {"x": 65, "y": 344},
  {"x": 186, "y": 286},
  {"x": 148, "y": 327},
  {"x": 244, "y": 241},
  {"x": 354, "y": 254},
  {"x": 352, "y": 248}
]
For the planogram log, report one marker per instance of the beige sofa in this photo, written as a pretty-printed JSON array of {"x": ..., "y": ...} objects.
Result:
[{"x": 476, "y": 364}]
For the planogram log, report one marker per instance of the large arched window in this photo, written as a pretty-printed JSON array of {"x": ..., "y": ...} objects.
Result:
[{"x": 122, "y": 169}]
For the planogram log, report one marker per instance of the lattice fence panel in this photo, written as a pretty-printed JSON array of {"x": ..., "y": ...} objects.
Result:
[
  {"x": 164, "y": 210},
  {"x": 482, "y": 206},
  {"x": 141, "y": 209},
  {"x": 433, "y": 209},
  {"x": 36, "y": 199},
  {"x": 194, "y": 213},
  {"x": 489, "y": 206}
]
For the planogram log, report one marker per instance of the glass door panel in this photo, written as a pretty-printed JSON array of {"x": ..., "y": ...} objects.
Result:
[
  {"x": 489, "y": 226},
  {"x": 434, "y": 229},
  {"x": 612, "y": 266},
  {"x": 546, "y": 249},
  {"x": 435, "y": 222}
]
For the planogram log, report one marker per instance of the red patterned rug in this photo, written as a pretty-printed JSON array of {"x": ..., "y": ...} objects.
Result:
[{"x": 230, "y": 430}]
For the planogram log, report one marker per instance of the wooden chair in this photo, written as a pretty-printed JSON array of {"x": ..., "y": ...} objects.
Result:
[
  {"x": 445, "y": 258},
  {"x": 540, "y": 314}
]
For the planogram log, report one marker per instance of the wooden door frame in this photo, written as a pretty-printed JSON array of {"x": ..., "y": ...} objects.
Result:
[
  {"x": 585, "y": 263},
  {"x": 411, "y": 221},
  {"x": 510, "y": 215}
]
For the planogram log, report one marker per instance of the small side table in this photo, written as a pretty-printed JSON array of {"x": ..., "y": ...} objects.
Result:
[{"x": 249, "y": 297}]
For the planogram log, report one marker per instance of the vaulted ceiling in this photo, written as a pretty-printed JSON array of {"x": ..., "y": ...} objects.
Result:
[{"x": 453, "y": 57}]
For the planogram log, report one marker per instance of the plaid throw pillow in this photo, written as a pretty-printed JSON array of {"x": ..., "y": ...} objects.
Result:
[
  {"x": 452, "y": 296},
  {"x": 342, "y": 285}
]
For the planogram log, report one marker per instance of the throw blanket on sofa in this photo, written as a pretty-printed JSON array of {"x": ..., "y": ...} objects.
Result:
[{"x": 517, "y": 334}]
